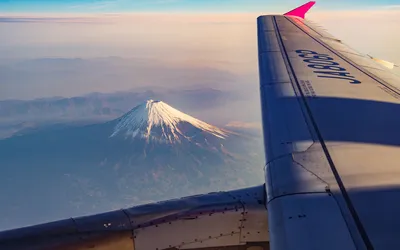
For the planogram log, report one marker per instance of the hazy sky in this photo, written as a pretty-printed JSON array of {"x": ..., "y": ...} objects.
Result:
[
  {"x": 218, "y": 40},
  {"x": 74, "y": 6}
]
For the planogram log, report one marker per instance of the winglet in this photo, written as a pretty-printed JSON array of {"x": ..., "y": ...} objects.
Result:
[{"x": 301, "y": 11}]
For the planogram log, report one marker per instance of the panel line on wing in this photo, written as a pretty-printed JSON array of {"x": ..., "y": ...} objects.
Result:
[
  {"x": 132, "y": 228},
  {"x": 311, "y": 172},
  {"x": 335, "y": 172}
]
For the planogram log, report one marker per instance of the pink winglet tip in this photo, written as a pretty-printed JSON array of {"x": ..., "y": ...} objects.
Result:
[{"x": 301, "y": 11}]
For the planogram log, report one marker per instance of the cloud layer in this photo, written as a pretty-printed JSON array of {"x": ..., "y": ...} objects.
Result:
[{"x": 177, "y": 42}]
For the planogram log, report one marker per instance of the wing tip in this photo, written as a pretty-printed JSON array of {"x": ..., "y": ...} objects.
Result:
[{"x": 301, "y": 10}]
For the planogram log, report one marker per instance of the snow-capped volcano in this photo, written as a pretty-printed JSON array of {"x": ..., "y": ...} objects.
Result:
[{"x": 156, "y": 120}]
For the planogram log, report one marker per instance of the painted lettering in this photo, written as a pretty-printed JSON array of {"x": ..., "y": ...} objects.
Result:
[
  {"x": 346, "y": 74},
  {"x": 320, "y": 62},
  {"x": 354, "y": 81},
  {"x": 326, "y": 66},
  {"x": 303, "y": 51},
  {"x": 319, "y": 66}
]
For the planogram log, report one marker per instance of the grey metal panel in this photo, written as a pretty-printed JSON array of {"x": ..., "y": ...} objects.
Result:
[
  {"x": 286, "y": 26},
  {"x": 287, "y": 176},
  {"x": 254, "y": 227},
  {"x": 351, "y": 107},
  {"x": 182, "y": 232},
  {"x": 176, "y": 223},
  {"x": 191, "y": 225},
  {"x": 255, "y": 223},
  {"x": 308, "y": 221},
  {"x": 161, "y": 212},
  {"x": 224, "y": 241},
  {"x": 268, "y": 41},
  {"x": 284, "y": 124},
  {"x": 273, "y": 61},
  {"x": 314, "y": 161},
  {"x": 265, "y": 23}
]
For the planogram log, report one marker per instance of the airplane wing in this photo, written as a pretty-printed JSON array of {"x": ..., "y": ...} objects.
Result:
[
  {"x": 233, "y": 220},
  {"x": 331, "y": 132}
]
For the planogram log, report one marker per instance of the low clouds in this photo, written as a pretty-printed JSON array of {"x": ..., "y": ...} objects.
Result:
[
  {"x": 248, "y": 125},
  {"x": 46, "y": 77},
  {"x": 146, "y": 49}
]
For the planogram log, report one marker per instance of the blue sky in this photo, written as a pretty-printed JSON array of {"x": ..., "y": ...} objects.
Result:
[{"x": 102, "y": 6}]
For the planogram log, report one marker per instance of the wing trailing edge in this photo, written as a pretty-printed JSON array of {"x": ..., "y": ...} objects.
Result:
[{"x": 300, "y": 11}]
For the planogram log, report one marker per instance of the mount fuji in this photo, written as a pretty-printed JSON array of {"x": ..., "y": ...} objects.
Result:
[
  {"x": 153, "y": 152},
  {"x": 156, "y": 120}
]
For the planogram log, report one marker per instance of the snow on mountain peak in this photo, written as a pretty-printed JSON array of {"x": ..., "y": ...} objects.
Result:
[{"x": 156, "y": 119}]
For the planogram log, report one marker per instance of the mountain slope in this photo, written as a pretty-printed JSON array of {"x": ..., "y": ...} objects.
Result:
[{"x": 156, "y": 120}]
